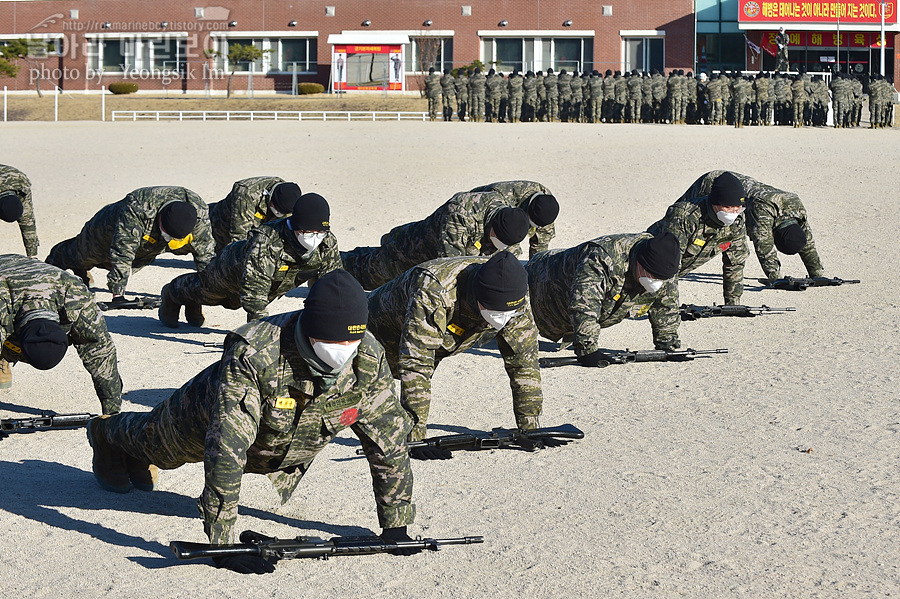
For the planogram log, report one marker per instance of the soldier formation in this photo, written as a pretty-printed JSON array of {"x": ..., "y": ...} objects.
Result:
[
  {"x": 778, "y": 98},
  {"x": 287, "y": 384}
]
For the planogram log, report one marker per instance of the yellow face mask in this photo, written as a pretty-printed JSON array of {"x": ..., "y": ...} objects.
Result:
[{"x": 174, "y": 244}]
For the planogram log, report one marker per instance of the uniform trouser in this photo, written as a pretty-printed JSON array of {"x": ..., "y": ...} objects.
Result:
[
  {"x": 716, "y": 112},
  {"x": 565, "y": 108},
  {"x": 502, "y": 111},
  {"x": 596, "y": 110},
  {"x": 432, "y": 107},
  {"x": 876, "y": 113},
  {"x": 448, "y": 107},
  {"x": 552, "y": 108},
  {"x": 515, "y": 109},
  {"x": 477, "y": 108},
  {"x": 374, "y": 266},
  {"x": 740, "y": 107},
  {"x": 489, "y": 108},
  {"x": 76, "y": 254},
  {"x": 528, "y": 109},
  {"x": 634, "y": 110},
  {"x": 576, "y": 115},
  {"x": 195, "y": 289},
  {"x": 799, "y": 107},
  {"x": 461, "y": 108}
]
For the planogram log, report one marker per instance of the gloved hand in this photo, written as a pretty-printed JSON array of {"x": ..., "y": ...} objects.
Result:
[
  {"x": 244, "y": 564},
  {"x": 398, "y": 534},
  {"x": 595, "y": 359},
  {"x": 117, "y": 300},
  {"x": 430, "y": 453}
]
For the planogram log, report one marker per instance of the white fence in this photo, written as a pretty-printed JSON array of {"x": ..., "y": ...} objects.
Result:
[{"x": 264, "y": 115}]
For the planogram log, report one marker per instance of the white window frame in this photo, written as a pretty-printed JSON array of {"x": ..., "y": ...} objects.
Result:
[
  {"x": 540, "y": 38},
  {"x": 266, "y": 40},
  {"x": 642, "y": 34},
  {"x": 135, "y": 45},
  {"x": 43, "y": 38},
  {"x": 414, "y": 37}
]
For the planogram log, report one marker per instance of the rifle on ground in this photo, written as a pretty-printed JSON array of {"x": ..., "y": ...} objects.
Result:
[
  {"x": 213, "y": 344},
  {"x": 138, "y": 303},
  {"x": 45, "y": 421},
  {"x": 641, "y": 355},
  {"x": 802, "y": 283},
  {"x": 273, "y": 549},
  {"x": 694, "y": 312}
]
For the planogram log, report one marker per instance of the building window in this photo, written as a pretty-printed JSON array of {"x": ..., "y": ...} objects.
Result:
[
  {"x": 720, "y": 52},
  {"x": 155, "y": 54},
  {"x": 645, "y": 53},
  {"x": 422, "y": 53},
  {"x": 537, "y": 54},
  {"x": 224, "y": 45},
  {"x": 299, "y": 52},
  {"x": 163, "y": 55}
]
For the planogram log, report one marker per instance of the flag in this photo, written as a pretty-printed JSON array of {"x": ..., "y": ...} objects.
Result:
[
  {"x": 753, "y": 47},
  {"x": 768, "y": 44}
]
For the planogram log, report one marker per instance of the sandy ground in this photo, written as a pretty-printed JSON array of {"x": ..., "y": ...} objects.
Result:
[{"x": 767, "y": 472}]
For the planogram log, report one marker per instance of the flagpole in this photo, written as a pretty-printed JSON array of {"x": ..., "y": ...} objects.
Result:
[{"x": 882, "y": 40}]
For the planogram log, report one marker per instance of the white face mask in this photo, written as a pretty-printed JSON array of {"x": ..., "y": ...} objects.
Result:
[
  {"x": 727, "y": 218},
  {"x": 498, "y": 244},
  {"x": 651, "y": 285},
  {"x": 275, "y": 212},
  {"x": 533, "y": 226},
  {"x": 310, "y": 240},
  {"x": 166, "y": 237},
  {"x": 335, "y": 354},
  {"x": 497, "y": 319}
]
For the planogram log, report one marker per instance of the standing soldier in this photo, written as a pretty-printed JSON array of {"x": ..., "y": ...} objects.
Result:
[
  {"x": 635, "y": 89},
  {"x": 876, "y": 109},
  {"x": 43, "y": 310},
  {"x": 856, "y": 88},
  {"x": 703, "y": 98},
  {"x": 621, "y": 90},
  {"x": 564, "y": 89},
  {"x": 283, "y": 388},
  {"x": 839, "y": 95},
  {"x": 516, "y": 93},
  {"x": 502, "y": 113},
  {"x": 538, "y": 203},
  {"x": 609, "y": 96},
  {"x": 776, "y": 222},
  {"x": 476, "y": 95},
  {"x": 551, "y": 85},
  {"x": 433, "y": 93},
  {"x": 128, "y": 235},
  {"x": 658, "y": 95},
  {"x": 492, "y": 96},
  {"x": 707, "y": 226},
  {"x": 690, "y": 99},
  {"x": 763, "y": 102},
  {"x": 646, "y": 98},
  {"x": 251, "y": 203},
  {"x": 782, "y": 99},
  {"x": 448, "y": 92},
  {"x": 716, "y": 104},
  {"x": 253, "y": 272},
  {"x": 781, "y": 58},
  {"x": 575, "y": 293},
  {"x": 16, "y": 206},
  {"x": 577, "y": 98},
  {"x": 529, "y": 97},
  {"x": 596, "y": 97},
  {"x": 468, "y": 224},
  {"x": 741, "y": 100},
  {"x": 799, "y": 98},
  {"x": 462, "y": 93},
  {"x": 444, "y": 307},
  {"x": 541, "y": 91}
]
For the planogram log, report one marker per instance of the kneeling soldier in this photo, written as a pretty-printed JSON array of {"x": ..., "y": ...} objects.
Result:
[
  {"x": 252, "y": 202},
  {"x": 444, "y": 307},
  {"x": 43, "y": 310},
  {"x": 284, "y": 387},
  {"x": 254, "y": 272},
  {"x": 579, "y": 291},
  {"x": 128, "y": 235}
]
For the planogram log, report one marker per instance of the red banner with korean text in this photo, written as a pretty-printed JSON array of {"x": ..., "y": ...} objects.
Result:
[
  {"x": 827, "y": 39},
  {"x": 817, "y": 11}
]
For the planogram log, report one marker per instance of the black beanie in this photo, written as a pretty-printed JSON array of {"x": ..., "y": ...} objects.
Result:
[
  {"x": 543, "y": 209},
  {"x": 510, "y": 225},
  {"x": 789, "y": 238},
  {"x": 727, "y": 190},
  {"x": 178, "y": 219},
  {"x": 660, "y": 256},
  {"x": 501, "y": 283},
  {"x": 311, "y": 213},
  {"x": 10, "y": 207},
  {"x": 335, "y": 309},
  {"x": 284, "y": 196},
  {"x": 44, "y": 343}
]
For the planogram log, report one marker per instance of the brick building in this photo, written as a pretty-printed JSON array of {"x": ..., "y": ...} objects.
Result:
[{"x": 176, "y": 45}]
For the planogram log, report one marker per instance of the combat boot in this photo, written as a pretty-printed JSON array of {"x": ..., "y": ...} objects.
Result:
[
  {"x": 168, "y": 309},
  {"x": 193, "y": 313},
  {"x": 143, "y": 475},
  {"x": 5, "y": 374},
  {"x": 109, "y": 461}
]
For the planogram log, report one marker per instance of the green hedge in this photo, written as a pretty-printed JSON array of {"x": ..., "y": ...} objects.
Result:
[
  {"x": 310, "y": 88},
  {"x": 123, "y": 87}
]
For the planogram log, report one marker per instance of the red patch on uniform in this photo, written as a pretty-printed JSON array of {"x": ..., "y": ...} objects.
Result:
[
  {"x": 724, "y": 246},
  {"x": 349, "y": 416}
]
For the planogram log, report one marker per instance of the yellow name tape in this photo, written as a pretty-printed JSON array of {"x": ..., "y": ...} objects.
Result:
[
  {"x": 700, "y": 242},
  {"x": 283, "y": 268},
  {"x": 150, "y": 239},
  {"x": 455, "y": 329},
  {"x": 12, "y": 346},
  {"x": 285, "y": 403},
  {"x": 260, "y": 216}
]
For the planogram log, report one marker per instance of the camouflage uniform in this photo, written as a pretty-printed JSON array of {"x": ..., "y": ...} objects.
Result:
[
  {"x": 551, "y": 87},
  {"x": 460, "y": 227},
  {"x": 702, "y": 237},
  {"x": 516, "y": 91},
  {"x": 476, "y": 97},
  {"x": 430, "y": 313},
  {"x": 253, "y": 272},
  {"x": 125, "y": 236},
  {"x": 518, "y": 194},
  {"x": 578, "y": 291},
  {"x": 768, "y": 208},
  {"x": 448, "y": 92},
  {"x": 493, "y": 83},
  {"x": 596, "y": 98},
  {"x": 31, "y": 289},
  {"x": 12, "y": 179},
  {"x": 462, "y": 94},
  {"x": 609, "y": 98},
  {"x": 564, "y": 91},
  {"x": 575, "y": 109},
  {"x": 263, "y": 409},
  {"x": 433, "y": 93},
  {"x": 635, "y": 90},
  {"x": 245, "y": 208},
  {"x": 620, "y": 87},
  {"x": 529, "y": 98}
]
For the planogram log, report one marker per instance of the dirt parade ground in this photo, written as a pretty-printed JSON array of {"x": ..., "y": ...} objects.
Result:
[{"x": 769, "y": 471}]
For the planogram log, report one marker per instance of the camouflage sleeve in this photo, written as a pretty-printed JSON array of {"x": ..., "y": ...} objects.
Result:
[
  {"x": 382, "y": 432},
  {"x": 127, "y": 235},
  {"x": 809, "y": 254},
  {"x": 422, "y": 336},
  {"x": 233, "y": 425},
  {"x": 27, "y": 225},
  {"x": 203, "y": 246},
  {"x": 257, "y": 278},
  {"x": 665, "y": 317},
  {"x": 518, "y": 344},
  {"x": 763, "y": 243},
  {"x": 95, "y": 347},
  {"x": 589, "y": 288},
  {"x": 457, "y": 233},
  {"x": 733, "y": 260},
  {"x": 244, "y": 215},
  {"x": 331, "y": 256},
  {"x": 540, "y": 241}
]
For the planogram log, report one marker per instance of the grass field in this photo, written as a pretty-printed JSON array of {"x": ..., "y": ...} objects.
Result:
[{"x": 83, "y": 107}]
